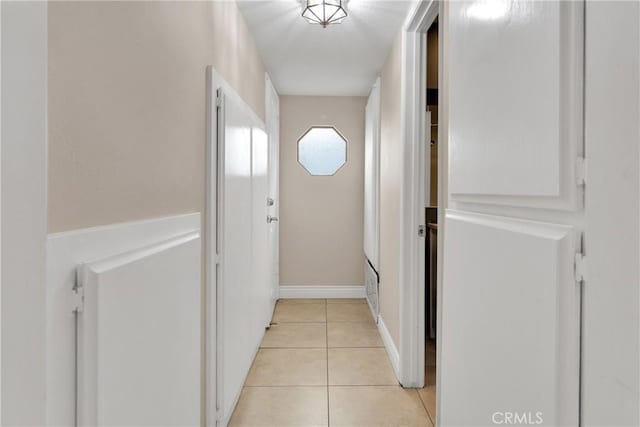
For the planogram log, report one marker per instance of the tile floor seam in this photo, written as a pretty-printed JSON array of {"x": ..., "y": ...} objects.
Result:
[
  {"x": 424, "y": 405},
  {"x": 326, "y": 331},
  {"x": 355, "y": 348},
  {"x": 286, "y": 386}
]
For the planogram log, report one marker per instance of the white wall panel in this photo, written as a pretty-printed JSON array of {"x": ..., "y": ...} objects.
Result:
[
  {"x": 510, "y": 326},
  {"x": 516, "y": 102},
  {"x": 24, "y": 219},
  {"x": 65, "y": 251},
  {"x": 139, "y": 337}
]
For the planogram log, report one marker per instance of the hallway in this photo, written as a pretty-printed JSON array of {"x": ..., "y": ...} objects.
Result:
[{"x": 322, "y": 363}]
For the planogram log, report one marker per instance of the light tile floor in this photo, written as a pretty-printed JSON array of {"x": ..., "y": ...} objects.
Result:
[{"x": 323, "y": 363}]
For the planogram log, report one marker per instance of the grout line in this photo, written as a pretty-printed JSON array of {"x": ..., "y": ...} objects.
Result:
[
  {"x": 284, "y": 386},
  {"x": 332, "y": 386},
  {"x": 355, "y": 347},
  {"x": 294, "y": 348},
  {"x": 424, "y": 405},
  {"x": 369, "y": 386},
  {"x": 326, "y": 331},
  {"x": 298, "y": 322},
  {"x": 318, "y": 348}
]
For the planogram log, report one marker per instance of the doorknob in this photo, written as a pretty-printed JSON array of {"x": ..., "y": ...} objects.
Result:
[{"x": 271, "y": 219}]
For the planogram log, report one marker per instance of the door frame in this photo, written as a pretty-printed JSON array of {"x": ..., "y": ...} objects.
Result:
[
  {"x": 211, "y": 253},
  {"x": 414, "y": 181},
  {"x": 24, "y": 133}
]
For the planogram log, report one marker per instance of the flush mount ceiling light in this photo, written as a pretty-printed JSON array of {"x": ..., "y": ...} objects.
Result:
[{"x": 324, "y": 12}]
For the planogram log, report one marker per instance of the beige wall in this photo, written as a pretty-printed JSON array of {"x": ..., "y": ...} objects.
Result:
[
  {"x": 390, "y": 182},
  {"x": 127, "y": 105},
  {"x": 321, "y": 227}
]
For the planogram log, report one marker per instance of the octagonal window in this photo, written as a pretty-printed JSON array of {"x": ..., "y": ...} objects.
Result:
[{"x": 322, "y": 151}]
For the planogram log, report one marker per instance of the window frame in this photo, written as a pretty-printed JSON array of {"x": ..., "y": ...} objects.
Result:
[{"x": 340, "y": 134}]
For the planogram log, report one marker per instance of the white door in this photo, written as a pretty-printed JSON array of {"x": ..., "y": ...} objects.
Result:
[
  {"x": 262, "y": 229},
  {"x": 243, "y": 283},
  {"x": 372, "y": 198},
  {"x": 372, "y": 177},
  {"x": 511, "y": 298},
  {"x": 234, "y": 321},
  {"x": 273, "y": 128}
]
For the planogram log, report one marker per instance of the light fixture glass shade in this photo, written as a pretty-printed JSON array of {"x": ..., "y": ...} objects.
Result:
[{"x": 324, "y": 12}]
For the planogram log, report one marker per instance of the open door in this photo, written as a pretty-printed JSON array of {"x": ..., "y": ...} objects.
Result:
[
  {"x": 243, "y": 303},
  {"x": 512, "y": 242},
  {"x": 372, "y": 199},
  {"x": 273, "y": 129}
]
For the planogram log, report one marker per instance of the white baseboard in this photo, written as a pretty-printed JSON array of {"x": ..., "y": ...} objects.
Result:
[
  {"x": 321, "y": 292},
  {"x": 391, "y": 348}
]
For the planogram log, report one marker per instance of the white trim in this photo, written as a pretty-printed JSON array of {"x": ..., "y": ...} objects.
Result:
[
  {"x": 392, "y": 351},
  {"x": 412, "y": 301},
  {"x": 443, "y": 183},
  {"x": 24, "y": 211},
  {"x": 321, "y": 292},
  {"x": 211, "y": 259},
  {"x": 0, "y": 213}
]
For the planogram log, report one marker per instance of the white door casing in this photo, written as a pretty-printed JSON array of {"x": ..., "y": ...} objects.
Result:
[
  {"x": 24, "y": 211},
  {"x": 510, "y": 311},
  {"x": 611, "y": 299}
]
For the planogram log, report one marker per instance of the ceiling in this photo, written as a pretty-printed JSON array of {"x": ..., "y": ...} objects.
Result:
[{"x": 341, "y": 60}]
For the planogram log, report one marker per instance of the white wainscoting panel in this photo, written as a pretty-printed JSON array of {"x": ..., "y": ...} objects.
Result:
[
  {"x": 516, "y": 73},
  {"x": 321, "y": 292},
  {"x": 67, "y": 250},
  {"x": 511, "y": 321},
  {"x": 139, "y": 337}
]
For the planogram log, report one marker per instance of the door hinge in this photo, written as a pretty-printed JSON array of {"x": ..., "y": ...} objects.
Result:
[
  {"x": 77, "y": 295},
  {"x": 421, "y": 230},
  {"x": 219, "y": 99},
  {"x": 581, "y": 171},
  {"x": 580, "y": 267}
]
